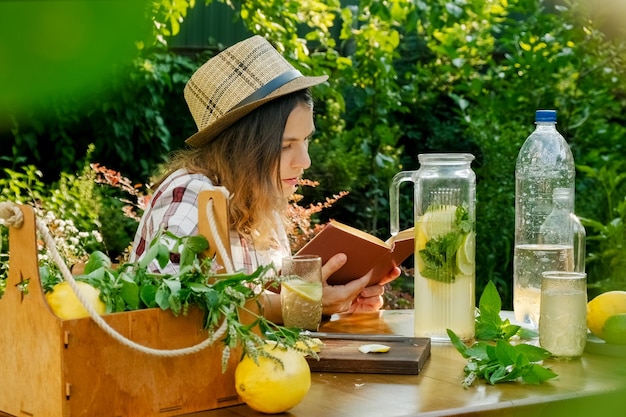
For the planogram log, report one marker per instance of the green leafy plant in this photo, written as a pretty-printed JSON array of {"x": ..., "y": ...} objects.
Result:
[
  {"x": 606, "y": 235},
  {"x": 24, "y": 186},
  {"x": 68, "y": 210},
  {"x": 502, "y": 361},
  {"x": 488, "y": 323}
]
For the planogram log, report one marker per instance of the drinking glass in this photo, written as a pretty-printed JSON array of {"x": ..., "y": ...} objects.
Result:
[
  {"x": 301, "y": 291},
  {"x": 563, "y": 313}
]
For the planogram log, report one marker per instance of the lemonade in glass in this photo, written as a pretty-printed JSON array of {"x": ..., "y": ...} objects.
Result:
[
  {"x": 563, "y": 313},
  {"x": 301, "y": 291}
]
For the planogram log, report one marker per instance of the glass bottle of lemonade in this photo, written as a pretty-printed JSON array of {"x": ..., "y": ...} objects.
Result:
[{"x": 445, "y": 271}]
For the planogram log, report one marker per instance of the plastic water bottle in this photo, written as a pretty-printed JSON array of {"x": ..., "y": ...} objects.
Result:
[{"x": 544, "y": 164}]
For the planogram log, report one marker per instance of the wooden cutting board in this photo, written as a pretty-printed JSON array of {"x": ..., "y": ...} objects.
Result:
[{"x": 340, "y": 353}]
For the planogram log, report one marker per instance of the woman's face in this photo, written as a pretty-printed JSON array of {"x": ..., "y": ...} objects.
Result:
[{"x": 295, "y": 154}]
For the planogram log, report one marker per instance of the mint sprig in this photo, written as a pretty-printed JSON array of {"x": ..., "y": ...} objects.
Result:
[
  {"x": 439, "y": 254},
  {"x": 500, "y": 361},
  {"x": 489, "y": 324}
]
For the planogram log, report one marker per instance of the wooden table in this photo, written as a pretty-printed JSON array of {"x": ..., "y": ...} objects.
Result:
[{"x": 589, "y": 386}]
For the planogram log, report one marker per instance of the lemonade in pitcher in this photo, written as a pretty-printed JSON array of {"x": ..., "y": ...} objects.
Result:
[
  {"x": 445, "y": 273},
  {"x": 445, "y": 243}
]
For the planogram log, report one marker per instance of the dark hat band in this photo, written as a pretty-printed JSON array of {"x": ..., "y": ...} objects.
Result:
[{"x": 270, "y": 87}]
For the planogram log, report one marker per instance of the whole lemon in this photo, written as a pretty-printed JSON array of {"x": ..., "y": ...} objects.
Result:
[
  {"x": 602, "y": 307},
  {"x": 615, "y": 329},
  {"x": 269, "y": 386},
  {"x": 66, "y": 305}
]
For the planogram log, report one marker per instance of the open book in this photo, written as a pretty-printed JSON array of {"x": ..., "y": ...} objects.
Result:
[{"x": 364, "y": 251}]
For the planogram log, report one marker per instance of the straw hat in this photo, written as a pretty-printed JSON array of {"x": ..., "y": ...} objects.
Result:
[{"x": 237, "y": 81}]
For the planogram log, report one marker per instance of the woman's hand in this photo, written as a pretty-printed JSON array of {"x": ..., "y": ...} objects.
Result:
[
  {"x": 355, "y": 296},
  {"x": 371, "y": 298}
]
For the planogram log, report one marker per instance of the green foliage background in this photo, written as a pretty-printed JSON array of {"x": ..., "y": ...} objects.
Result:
[{"x": 406, "y": 77}]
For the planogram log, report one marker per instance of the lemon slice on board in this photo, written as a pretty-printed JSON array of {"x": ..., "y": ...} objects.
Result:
[
  {"x": 374, "y": 348},
  {"x": 307, "y": 290}
]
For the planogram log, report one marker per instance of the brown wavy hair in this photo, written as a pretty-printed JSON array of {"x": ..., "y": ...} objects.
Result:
[{"x": 245, "y": 158}]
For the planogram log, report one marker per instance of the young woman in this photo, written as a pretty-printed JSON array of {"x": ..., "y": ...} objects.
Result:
[{"x": 254, "y": 114}]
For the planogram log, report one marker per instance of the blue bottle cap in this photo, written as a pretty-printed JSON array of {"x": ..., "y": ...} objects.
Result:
[{"x": 545, "y": 116}]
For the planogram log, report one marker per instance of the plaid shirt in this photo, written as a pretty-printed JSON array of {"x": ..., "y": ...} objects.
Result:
[{"x": 174, "y": 207}]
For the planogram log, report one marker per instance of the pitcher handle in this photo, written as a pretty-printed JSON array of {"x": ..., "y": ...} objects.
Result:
[{"x": 394, "y": 198}]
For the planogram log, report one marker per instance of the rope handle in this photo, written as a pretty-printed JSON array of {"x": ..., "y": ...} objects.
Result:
[{"x": 11, "y": 215}]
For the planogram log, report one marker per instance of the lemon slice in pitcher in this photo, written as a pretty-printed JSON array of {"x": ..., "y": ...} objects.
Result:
[
  {"x": 438, "y": 222},
  {"x": 307, "y": 290},
  {"x": 465, "y": 255}
]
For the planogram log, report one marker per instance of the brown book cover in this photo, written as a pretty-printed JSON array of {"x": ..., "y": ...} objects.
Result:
[{"x": 364, "y": 251}]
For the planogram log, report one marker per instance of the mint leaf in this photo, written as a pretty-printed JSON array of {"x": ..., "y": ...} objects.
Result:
[
  {"x": 489, "y": 325},
  {"x": 462, "y": 220},
  {"x": 506, "y": 354},
  {"x": 162, "y": 297},
  {"x": 197, "y": 287},
  {"x": 480, "y": 351},
  {"x": 147, "y": 293},
  {"x": 458, "y": 344},
  {"x": 130, "y": 294},
  {"x": 97, "y": 260},
  {"x": 522, "y": 360},
  {"x": 537, "y": 374},
  {"x": 533, "y": 353},
  {"x": 525, "y": 333},
  {"x": 175, "y": 304},
  {"x": 499, "y": 374},
  {"x": 162, "y": 255},
  {"x": 508, "y": 330},
  {"x": 196, "y": 244},
  {"x": 191, "y": 248},
  {"x": 150, "y": 255},
  {"x": 173, "y": 285},
  {"x": 490, "y": 303}
]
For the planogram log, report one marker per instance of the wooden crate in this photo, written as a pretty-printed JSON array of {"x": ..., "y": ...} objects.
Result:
[{"x": 53, "y": 367}]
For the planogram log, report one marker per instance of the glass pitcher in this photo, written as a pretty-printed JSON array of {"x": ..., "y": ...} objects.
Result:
[{"x": 445, "y": 271}]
